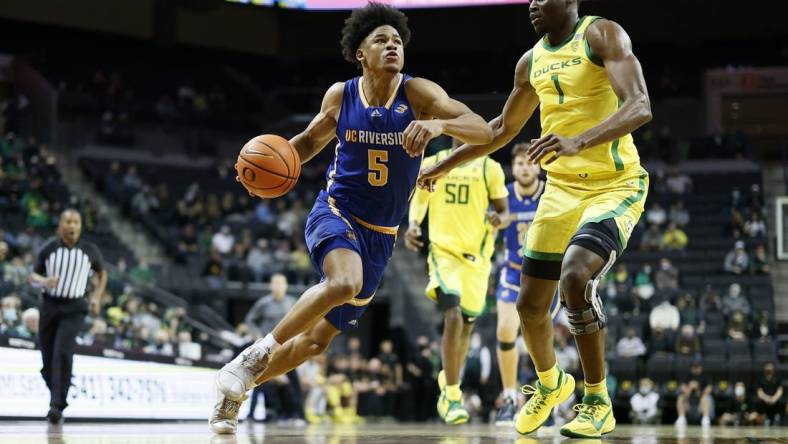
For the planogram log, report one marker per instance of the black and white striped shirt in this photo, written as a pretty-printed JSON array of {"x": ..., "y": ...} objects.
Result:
[{"x": 72, "y": 265}]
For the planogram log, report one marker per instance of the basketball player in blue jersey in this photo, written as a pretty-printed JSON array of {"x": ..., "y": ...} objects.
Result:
[
  {"x": 524, "y": 194},
  {"x": 377, "y": 119}
]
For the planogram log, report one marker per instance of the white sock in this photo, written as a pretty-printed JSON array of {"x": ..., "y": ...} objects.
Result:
[
  {"x": 511, "y": 394},
  {"x": 267, "y": 344}
]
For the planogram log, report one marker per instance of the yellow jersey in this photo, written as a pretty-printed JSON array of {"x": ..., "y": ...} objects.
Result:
[
  {"x": 576, "y": 95},
  {"x": 458, "y": 206}
]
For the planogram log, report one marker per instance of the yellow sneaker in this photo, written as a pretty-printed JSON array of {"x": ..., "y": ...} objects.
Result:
[
  {"x": 540, "y": 405},
  {"x": 443, "y": 401},
  {"x": 594, "y": 418},
  {"x": 456, "y": 413}
]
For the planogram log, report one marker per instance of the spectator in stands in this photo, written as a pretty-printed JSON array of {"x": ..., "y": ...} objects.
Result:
[
  {"x": 678, "y": 183},
  {"x": 263, "y": 213},
  {"x": 644, "y": 286},
  {"x": 759, "y": 263},
  {"x": 131, "y": 180},
  {"x": 738, "y": 330},
  {"x": 666, "y": 277},
  {"x": 688, "y": 313},
  {"x": 674, "y": 238},
  {"x": 755, "y": 227},
  {"x": 144, "y": 201},
  {"x": 664, "y": 316},
  {"x": 695, "y": 403},
  {"x": 188, "y": 349},
  {"x": 565, "y": 353},
  {"x": 710, "y": 300},
  {"x": 630, "y": 346},
  {"x": 300, "y": 263},
  {"x": 656, "y": 215},
  {"x": 687, "y": 343},
  {"x": 737, "y": 261},
  {"x": 97, "y": 334},
  {"x": 652, "y": 239},
  {"x": 3, "y": 255},
  {"x": 390, "y": 360},
  {"x": 260, "y": 260},
  {"x": 187, "y": 244},
  {"x": 161, "y": 344},
  {"x": 271, "y": 308},
  {"x": 679, "y": 214},
  {"x": 223, "y": 240},
  {"x": 213, "y": 271},
  {"x": 764, "y": 327},
  {"x": 11, "y": 316},
  {"x": 739, "y": 411},
  {"x": 645, "y": 404},
  {"x": 755, "y": 201},
  {"x": 770, "y": 396},
  {"x": 142, "y": 272},
  {"x": 734, "y": 302},
  {"x": 29, "y": 326}
]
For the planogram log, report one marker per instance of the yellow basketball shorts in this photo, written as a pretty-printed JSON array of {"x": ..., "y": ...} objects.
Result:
[
  {"x": 569, "y": 203},
  {"x": 460, "y": 275}
]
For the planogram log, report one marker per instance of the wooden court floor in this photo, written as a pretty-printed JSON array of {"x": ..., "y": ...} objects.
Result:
[{"x": 29, "y": 432}]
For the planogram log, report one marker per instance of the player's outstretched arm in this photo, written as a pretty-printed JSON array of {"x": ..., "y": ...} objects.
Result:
[
  {"x": 609, "y": 41},
  {"x": 448, "y": 116},
  {"x": 518, "y": 109},
  {"x": 323, "y": 127}
]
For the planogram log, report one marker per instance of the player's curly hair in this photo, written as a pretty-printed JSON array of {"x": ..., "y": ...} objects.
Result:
[{"x": 364, "y": 20}]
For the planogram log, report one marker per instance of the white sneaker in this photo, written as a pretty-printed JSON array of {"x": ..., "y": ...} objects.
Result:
[
  {"x": 681, "y": 421},
  {"x": 705, "y": 422},
  {"x": 238, "y": 376},
  {"x": 224, "y": 418}
]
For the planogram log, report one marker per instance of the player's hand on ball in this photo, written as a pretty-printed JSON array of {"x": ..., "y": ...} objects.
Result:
[
  {"x": 558, "y": 145},
  {"x": 419, "y": 133},
  {"x": 495, "y": 219},
  {"x": 413, "y": 238}
]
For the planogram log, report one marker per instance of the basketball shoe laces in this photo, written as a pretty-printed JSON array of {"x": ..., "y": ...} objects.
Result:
[
  {"x": 255, "y": 360},
  {"x": 586, "y": 412},
  {"x": 537, "y": 400},
  {"x": 229, "y": 408}
]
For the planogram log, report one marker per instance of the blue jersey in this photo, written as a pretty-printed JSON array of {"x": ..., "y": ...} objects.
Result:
[
  {"x": 523, "y": 210},
  {"x": 372, "y": 176}
]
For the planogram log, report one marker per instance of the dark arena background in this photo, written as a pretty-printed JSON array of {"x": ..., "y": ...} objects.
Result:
[{"x": 133, "y": 112}]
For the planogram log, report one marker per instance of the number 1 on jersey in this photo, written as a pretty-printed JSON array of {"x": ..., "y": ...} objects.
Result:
[
  {"x": 558, "y": 88},
  {"x": 378, "y": 171}
]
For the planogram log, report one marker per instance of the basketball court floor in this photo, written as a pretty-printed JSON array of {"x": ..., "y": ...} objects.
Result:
[{"x": 193, "y": 432}]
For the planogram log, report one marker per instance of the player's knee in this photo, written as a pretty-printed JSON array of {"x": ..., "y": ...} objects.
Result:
[
  {"x": 452, "y": 315},
  {"x": 343, "y": 288},
  {"x": 574, "y": 279},
  {"x": 531, "y": 310}
]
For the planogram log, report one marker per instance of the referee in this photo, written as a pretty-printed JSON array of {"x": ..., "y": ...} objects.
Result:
[{"x": 62, "y": 268}]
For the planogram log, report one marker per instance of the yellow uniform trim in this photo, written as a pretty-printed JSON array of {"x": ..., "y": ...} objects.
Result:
[
  {"x": 356, "y": 302},
  {"x": 378, "y": 228},
  {"x": 514, "y": 265}
]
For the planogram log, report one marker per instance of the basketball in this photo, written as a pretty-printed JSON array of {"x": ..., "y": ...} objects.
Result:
[{"x": 268, "y": 166}]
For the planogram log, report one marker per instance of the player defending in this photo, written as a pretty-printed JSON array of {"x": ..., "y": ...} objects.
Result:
[
  {"x": 351, "y": 230},
  {"x": 462, "y": 240},
  {"x": 524, "y": 194},
  {"x": 592, "y": 95}
]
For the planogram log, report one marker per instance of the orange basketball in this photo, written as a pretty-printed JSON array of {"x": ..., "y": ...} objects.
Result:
[{"x": 268, "y": 166}]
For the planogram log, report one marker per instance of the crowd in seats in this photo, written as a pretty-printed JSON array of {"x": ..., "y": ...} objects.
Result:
[
  {"x": 669, "y": 321},
  {"x": 211, "y": 225}
]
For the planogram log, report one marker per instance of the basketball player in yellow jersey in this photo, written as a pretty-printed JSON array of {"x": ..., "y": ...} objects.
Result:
[
  {"x": 462, "y": 240},
  {"x": 592, "y": 95}
]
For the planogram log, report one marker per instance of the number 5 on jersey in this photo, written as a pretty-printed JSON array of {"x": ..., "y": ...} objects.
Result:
[{"x": 378, "y": 171}]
